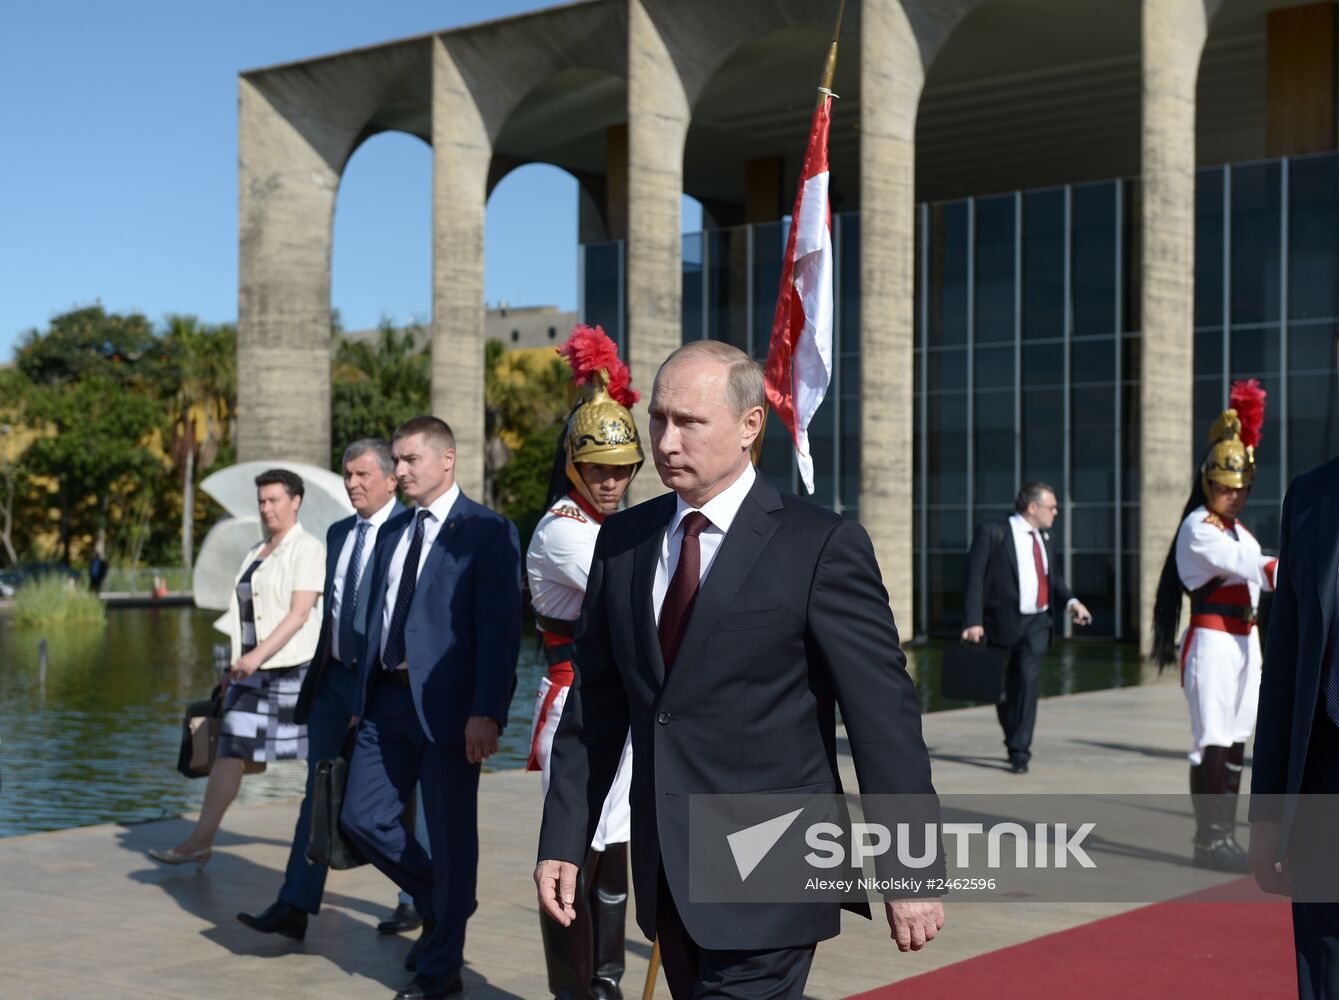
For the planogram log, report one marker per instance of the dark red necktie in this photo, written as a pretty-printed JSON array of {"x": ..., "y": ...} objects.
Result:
[
  {"x": 682, "y": 592},
  {"x": 1043, "y": 584}
]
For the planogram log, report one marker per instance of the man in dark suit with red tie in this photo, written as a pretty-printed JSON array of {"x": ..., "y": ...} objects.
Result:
[
  {"x": 1295, "y": 764},
  {"x": 723, "y": 625},
  {"x": 1013, "y": 583}
]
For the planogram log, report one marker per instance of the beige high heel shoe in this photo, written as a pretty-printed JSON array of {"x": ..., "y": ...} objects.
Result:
[{"x": 169, "y": 856}]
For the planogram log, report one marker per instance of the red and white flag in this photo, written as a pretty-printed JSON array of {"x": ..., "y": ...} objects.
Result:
[{"x": 799, "y": 357}]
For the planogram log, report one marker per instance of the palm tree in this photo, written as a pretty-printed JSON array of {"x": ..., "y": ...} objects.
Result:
[{"x": 203, "y": 380}]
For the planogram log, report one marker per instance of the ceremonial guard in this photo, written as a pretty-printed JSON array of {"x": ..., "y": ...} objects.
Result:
[
  {"x": 1219, "y": 564},
  {"x": 597, "y": 456}
]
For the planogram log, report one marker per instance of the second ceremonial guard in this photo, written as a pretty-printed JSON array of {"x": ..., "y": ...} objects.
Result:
[
  {"x": 597, "y": 456},
  {"x": 1220, "y": 565}
]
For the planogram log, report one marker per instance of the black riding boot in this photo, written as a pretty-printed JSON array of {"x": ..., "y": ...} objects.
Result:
[
  {"x": 609, "y": 904},
  {"x": 569, "y": 951},
  {"x": 1215, "y": 796}
]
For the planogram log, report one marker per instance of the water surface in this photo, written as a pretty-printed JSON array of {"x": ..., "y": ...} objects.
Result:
[{"x": 97, "y": 741}]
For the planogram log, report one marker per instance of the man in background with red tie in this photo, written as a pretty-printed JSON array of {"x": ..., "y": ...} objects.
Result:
[
  {"x": 723, "y": 624},
  {"x": 1013, "y": 583}
]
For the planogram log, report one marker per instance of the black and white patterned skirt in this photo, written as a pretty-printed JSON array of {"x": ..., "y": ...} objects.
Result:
[{"x": 258, "y": 717}]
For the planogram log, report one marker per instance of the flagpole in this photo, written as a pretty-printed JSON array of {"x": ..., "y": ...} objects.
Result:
[
  {"x": 830, "y": 66},
  {"x": 824, "y": 91}
]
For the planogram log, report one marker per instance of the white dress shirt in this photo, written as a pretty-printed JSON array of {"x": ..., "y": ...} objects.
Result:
[
  {"x": 437, "y": 513},
  {"x": 374, "y": 524},
  {"x": 1027, "y": 564},
  {"x": 720, "y": 510}
]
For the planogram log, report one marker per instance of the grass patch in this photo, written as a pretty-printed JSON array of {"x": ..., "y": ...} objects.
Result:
[{"x": 50, "y": 601}]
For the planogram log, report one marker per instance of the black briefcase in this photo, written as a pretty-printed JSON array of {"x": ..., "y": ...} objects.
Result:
[
  {"x": 326, "y": 844},
  {"x": 973, "y": 672}
]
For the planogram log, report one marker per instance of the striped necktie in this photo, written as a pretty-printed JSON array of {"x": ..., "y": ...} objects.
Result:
[{"x": 348, "y": 607}]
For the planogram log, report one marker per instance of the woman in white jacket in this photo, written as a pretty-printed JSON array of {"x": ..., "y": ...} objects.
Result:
[{"x": 274, "y": 619}]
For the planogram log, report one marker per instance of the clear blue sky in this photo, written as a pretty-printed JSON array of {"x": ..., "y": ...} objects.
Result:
[{"x": 118, "y": 176}]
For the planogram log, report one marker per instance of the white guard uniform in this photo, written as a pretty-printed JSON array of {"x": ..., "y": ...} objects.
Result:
[
  {"x": 1220, "y": 652},
  {"x": 557, "y": 565}
]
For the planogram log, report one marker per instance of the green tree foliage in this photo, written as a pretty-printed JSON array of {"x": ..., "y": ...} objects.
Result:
[
  {"x": 108, "y": 409},
  {"x": 525, "y": 401},
  {"x": 377, "y": 385},
  {"x": 91, "y": 342},
  {"x": 107, "y": 423},
  {"x": 200, "y": 381}
]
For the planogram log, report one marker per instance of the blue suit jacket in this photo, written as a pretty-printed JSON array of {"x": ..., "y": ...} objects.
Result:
[
  {"x": 1299, "y": 630},
  {"x": 335, "y": 537},
  {"x": 464, "y": 629}
]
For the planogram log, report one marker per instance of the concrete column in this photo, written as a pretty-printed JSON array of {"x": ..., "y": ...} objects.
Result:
[
  {"x": 286, "y": 202},
  {"x": 891, "y": 77},
  {"x": 1173, "y": 39},
  {"x": 658, "y": 117},
  {"x": 461, "y": 151}
]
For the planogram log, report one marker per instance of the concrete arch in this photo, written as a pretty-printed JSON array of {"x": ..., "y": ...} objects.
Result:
[
  {"x": 297, "y": 127},
  {"x": 576, "y": 120},
  {"x": 381, "y": 229},
  {"x": 481, "y": 75},
  {"x": 503, "y": 62}
]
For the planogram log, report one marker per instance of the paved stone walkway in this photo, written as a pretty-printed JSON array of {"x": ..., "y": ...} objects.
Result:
[{"x": 83, "y": 913}]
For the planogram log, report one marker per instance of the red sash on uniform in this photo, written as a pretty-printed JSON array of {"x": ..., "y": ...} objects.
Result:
[
  {"x": 1236, "y": 596},
  {"x": 560, "y": 677}
]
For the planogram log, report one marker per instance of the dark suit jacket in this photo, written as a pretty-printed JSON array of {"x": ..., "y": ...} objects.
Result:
[
  {"x": 1299, "y": 627},
  {"x": 991, "y": 595},
  {"x": 792, "y": 616},
  {"x": 464, "y": 629},
  {"x": 335, "y": 537}
]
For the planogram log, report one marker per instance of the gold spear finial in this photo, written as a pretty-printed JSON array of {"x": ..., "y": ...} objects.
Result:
[{"x": 830, "y": 66}]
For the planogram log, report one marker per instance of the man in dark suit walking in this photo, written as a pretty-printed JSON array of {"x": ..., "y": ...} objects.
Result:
[
  {"x": 1297, "y": 730},
  {"x": 437, "y": 669},
  {"x": 325, "y": 703},
  {"x": 1013, "y": 582},
  {"x": 723, "y": 623}
]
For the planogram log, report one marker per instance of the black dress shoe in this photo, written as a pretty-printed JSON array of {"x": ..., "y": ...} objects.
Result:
[
  {"x": 1017, "y": 766},
  {"x": 404, "y": 919},
  {"x": 431, "y": 987},
  {"x": 278, "y": 918}
]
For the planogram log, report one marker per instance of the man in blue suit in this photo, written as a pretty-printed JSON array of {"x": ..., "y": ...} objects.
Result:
[
  {"x": 437, "y": 670},
  {"x": 1297, "y": 732},
  {"x": 325, "y": 704}
]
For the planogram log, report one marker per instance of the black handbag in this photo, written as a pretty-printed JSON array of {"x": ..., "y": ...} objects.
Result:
[
  {"x": 973, "y": 672},
  {"x": 327, "y": 845},
  {"x": 200, "y": 727},
  {"x": 200, "y": 735}
]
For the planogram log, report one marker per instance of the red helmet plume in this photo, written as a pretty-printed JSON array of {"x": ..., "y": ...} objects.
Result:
[
  {"x": 1248, "y": 399},
  {"x": 588, "y": 350}
]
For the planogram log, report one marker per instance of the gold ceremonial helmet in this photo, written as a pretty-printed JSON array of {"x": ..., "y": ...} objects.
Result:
[
  {"x": 600, "y": 431},
  {"x": 1233, "y": 438},
  {"x": 1229, "y": 463}
]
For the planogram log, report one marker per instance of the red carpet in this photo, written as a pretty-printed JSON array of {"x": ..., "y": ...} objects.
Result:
[{"x": 1210, "y": 946}]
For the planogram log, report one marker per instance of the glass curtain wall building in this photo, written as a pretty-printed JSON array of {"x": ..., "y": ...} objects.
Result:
[{"x": 1027, "y": 358}]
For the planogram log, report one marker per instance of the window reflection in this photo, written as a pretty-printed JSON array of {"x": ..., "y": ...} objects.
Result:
[{"x": 1019, "y": 325}]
